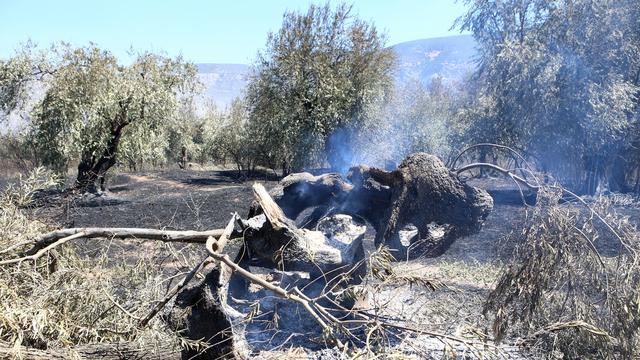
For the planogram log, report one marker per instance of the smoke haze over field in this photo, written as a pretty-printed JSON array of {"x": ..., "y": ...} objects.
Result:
[{"x": 449, "y": 57}]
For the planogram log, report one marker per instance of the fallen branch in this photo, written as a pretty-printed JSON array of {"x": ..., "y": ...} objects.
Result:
[
  {"x": 125, "y": 233},
  {"x": 38, "y": 254},
  {"x": 59, "y": 237},
  {"x": 498, "y": 169}
]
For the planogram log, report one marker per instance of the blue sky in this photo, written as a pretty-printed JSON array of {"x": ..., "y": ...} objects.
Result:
[{"x": 202, "y": 31}]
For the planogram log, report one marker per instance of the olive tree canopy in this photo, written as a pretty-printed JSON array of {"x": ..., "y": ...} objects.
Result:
[
  {"x": 91, "y": 100},
  {"x": 317, "y": 75}
]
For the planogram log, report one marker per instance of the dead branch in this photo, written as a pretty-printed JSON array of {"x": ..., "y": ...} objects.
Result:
[
  {"x": 38, "y": 254},
  {"x": 116, "y": 304},
  {"x": 188, "y": 236},
  {"x": 56, "y": 238},
  {"x": 497, "y": 146},
  {"x": 272, "y": 211},
  {"x": 499, "y": 169},
  {"x": 218, "y": 245}
]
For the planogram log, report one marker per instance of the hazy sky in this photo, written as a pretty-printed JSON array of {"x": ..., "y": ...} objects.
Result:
[{"x": 203, "y": 31}]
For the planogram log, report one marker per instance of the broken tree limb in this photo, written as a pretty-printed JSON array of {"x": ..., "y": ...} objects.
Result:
[
  {"x": 498, "y": 169},
  {"x": 271, "y": 210},
  {"x": 35, "y": 256},
  {"x": 189, "y": 236},
  {"x": 218, "y": 245}
]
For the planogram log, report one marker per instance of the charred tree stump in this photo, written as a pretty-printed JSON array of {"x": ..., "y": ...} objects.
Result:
[
  {"x": 430, "y": 207},
  {"x": 215, "y": 310},
  {"x": 275, "y": 241},
  {"x": 201, "y": 312},
  {"x": 419, "y": 209}
]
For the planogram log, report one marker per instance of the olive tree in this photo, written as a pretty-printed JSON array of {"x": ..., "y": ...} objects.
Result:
[
  {"x": 317, "y": 75},
  {"x": 227, "y": 136},
  {"x": 558, "y": 80},
  {"x": 92, "y": 101},
  {"x": 17, "y": 73}
]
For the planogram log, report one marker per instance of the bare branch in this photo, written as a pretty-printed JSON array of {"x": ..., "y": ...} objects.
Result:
[
  {"x": 499, "y": 169},
  {"x": 38, "y": 254},
  {"x": 125, "y": 233}
]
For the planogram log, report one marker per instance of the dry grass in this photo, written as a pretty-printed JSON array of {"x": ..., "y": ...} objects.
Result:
[
  {"x": 63, "y": 300},
  {"x": 560, "y": 294}
]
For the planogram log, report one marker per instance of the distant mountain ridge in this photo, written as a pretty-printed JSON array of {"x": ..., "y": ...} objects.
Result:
[
  {"x": 450, "y": 57},
  {"x": 223, "y": 82}
]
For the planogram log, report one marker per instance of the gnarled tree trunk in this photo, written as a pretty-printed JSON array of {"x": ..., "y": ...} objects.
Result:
[
  {"x": 91, "y": 170},
  {"x": 418, "y": 209}
]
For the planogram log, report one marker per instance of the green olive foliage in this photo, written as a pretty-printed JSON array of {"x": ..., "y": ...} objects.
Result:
[
  {"x": 558, "y": 80},
  {"x": 318, "y": 74},
  {"x": 93, "y": 106}
]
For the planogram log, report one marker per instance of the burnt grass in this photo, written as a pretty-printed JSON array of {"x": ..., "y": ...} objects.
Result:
[{"x": 200, "y": 200}]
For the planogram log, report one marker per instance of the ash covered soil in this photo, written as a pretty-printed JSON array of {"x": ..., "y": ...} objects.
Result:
[{"x": 200, "y": 200}]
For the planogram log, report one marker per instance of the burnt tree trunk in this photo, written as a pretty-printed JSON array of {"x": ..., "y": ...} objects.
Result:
[
  {"x": 418, "y": 209},
  {"x": 430, "y": 207},
  {"x": 91, "y": 170}
]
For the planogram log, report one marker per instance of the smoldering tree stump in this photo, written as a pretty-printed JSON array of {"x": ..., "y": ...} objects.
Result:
[
  {"x": 430, "y": 207},
  {"x": 274, "y": 240},
  {"x": 419, "y": 209},
  {"x": 201, "y": 312}
]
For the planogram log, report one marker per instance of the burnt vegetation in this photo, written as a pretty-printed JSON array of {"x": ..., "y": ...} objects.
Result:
[{"x": 330, "y": 212}]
